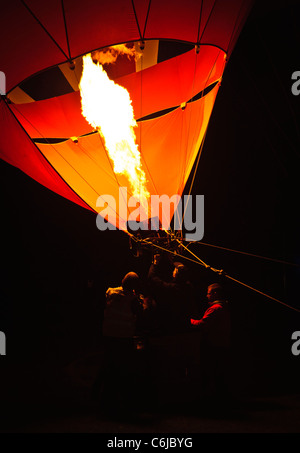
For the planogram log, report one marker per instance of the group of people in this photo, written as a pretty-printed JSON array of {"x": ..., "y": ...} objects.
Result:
[{"x": 164, "y": 306}]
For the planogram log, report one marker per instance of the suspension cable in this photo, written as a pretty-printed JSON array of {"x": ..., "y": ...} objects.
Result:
[
  {"x": 220, "y": 272},
  {"x": 248, "y": 254}
]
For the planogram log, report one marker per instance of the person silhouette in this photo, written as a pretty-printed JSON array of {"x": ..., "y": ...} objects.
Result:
[
  {"x": 214, "y": 338},
  {"x": 173, "y": 293},
  {"x": 118, "y": 381}
]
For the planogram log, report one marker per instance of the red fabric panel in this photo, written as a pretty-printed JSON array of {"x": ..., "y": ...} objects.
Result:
[
  {"x": 25, "y": 48},
  {"x": 141, "y": 10},
  {"x": 94, "y": 24},
  {"x": 17, "y": 149},
  {"x": 174, "y": 81},
  {"x": 50, "y": 14},
  {"x": 206, "y": 12},
  {"x": 174, "y": 19},
  {"x": 53, "y": 118},
  {"x": 165, "y": 85}
]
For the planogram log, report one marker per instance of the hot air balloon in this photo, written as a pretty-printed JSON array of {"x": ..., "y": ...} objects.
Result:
[{"x": 171, "y": 71}]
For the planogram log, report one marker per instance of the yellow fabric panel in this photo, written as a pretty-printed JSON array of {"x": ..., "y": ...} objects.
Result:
[
  {"x": 168, "y": 145},
  {"x": 18, "y": 96}
]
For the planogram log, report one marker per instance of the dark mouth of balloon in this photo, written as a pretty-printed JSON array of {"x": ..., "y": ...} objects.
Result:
[{"x": 52, "y": 83}]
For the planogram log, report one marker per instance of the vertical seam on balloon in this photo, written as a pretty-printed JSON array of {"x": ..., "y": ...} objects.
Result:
[
  {"x": 189, "y": 122},
  {"x": 163, "y": 212},
  {"x": 202, "y": 143},
  {"x": 146, "y": 21},
  {"x": 141, "y": 107},
  {"x": 66, "y": 29},
  {"x": 205, "y": 86},
  {"x": 141, "y": 37},
  {"x": 211, "y": 11},
  {"x": 141, "y": 123},
  {"x": 136, "y": 19},
  {"x": 149, "y": 172},
  {"x": 181, "y": 180},
  {"x": 194, "y": 175},
  {"x": 44, "y": 28},
  {"x": 202, "y": 95},
  {"x": 152, "y": 181},
  {"x": 199, "y": 25}
]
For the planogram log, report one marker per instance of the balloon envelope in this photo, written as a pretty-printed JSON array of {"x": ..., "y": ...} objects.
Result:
[{"x": 173, "y": 87}]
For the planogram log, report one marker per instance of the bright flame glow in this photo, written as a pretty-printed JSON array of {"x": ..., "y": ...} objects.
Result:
[
  {"x": 109, "y": 55},
  {"x": 107, "y": 108}
]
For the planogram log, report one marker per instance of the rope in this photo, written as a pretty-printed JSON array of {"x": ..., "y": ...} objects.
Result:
[
  {"x": 262, "y": 293},
  {"x": 199, "y": 24},
  {"x": 249, "y": 254},
  {"x": 44, "y": 28},
  {"x": 217, "y": 271},
  {"x": 66, "y": 30},
  {"x": 146, "y": 21},
  {"x": 136, "y": 19},
  {"x": 210, "y": 14},
  {"x": 197, "y": 261},
  {"x": 221, "y": 272}
]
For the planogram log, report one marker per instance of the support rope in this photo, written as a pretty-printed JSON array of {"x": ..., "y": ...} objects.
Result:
[
  {"x": 44, "y": 28},
  {"x": 249, "y": 254},
  {"x": 217, "y": 271}
]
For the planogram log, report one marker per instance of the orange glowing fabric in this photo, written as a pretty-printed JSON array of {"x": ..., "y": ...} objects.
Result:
[{"x": 172, "y": 95}]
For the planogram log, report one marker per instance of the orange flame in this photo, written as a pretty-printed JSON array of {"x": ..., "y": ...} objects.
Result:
[
  {"x": 109, "y": 55},
  {"x": 107, "y": 107}
]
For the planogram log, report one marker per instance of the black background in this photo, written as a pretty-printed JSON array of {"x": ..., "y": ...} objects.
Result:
[{"x": 249, "y": 175}]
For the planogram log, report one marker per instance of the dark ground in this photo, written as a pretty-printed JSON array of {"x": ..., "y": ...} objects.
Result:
[
  {"x": 44, "y": 400},
  {"x": 51, "y": 249}
]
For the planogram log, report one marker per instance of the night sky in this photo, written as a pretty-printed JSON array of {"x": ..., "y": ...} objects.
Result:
[{"x": 249, "y": 175}]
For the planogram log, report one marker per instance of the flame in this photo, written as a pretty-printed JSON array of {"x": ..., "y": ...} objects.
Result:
[
  {"x": 109, "y": 55},
  {"x": 108, "y": 108}
]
